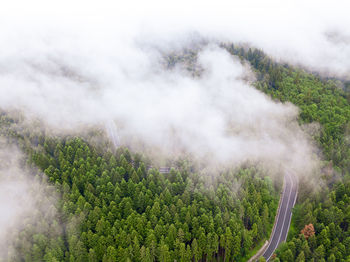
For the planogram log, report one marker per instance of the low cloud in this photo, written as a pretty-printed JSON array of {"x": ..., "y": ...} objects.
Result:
[
  {"x": 25, "y": 201},
  {"x": 311, "y": 33},
  {"x": 217, "y": 118},
  {"x": 103, "y": 65}
]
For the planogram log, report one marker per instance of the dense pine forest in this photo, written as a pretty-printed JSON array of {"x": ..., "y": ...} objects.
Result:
[{"x": 112, "y": 206}]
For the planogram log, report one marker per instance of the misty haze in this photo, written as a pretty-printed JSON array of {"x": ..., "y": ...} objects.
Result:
[{"x": 200, "y": 131}]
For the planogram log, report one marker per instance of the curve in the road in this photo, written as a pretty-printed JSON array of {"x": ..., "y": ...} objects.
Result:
[{"x": 282, "y": 223}]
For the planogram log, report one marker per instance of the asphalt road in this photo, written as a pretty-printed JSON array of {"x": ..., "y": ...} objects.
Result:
[{"x": 280, "y": 231}]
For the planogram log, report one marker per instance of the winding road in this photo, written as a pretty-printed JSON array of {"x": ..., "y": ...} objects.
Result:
[{"x": 284, "y": 216}]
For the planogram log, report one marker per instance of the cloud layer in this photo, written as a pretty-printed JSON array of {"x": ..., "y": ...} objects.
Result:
[
  {"x": 26, "y": 202},
  {"x": 217, "y": 118},
  {"x": 312, "y": 33},
  {"x": 87, "y": 63}
]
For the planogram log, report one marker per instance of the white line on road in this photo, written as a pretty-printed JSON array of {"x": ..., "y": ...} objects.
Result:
[{"x": 278, "y": 215}]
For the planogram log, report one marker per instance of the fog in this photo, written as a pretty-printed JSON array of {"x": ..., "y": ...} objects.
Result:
[
  {"x": 312, "y": 33},
  {"x": 81, "y": 64},
  {"x": 100, "y": 64},
  {"x": 25, "y": 201}
]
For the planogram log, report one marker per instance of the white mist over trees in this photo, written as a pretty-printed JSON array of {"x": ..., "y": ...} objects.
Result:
[
  {"x": 103, "y": 65},
  {"x": 216, "y": 117},
  {"x": 76, "y": 65},
  {"x": 26, "y": 201}
]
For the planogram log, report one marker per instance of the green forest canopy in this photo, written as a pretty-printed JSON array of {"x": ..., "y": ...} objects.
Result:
[{"x": 112, "y": 208}]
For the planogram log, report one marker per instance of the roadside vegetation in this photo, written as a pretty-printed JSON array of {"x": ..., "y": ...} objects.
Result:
[{"x": 327, "y": 102}]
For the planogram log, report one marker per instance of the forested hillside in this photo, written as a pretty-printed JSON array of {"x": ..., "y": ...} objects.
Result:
[
  {"x": 112, "y": 208},
  {"x": 321, "y": 220}
]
